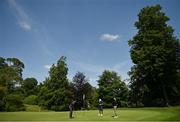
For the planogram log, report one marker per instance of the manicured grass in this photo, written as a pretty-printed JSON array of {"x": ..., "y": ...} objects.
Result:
[{"x": 125, "y": 114}]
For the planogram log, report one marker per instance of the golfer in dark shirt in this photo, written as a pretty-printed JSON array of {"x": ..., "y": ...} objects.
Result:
[
  {"x": 114, "y": 103},
  {"x": 71, "y": 109}
]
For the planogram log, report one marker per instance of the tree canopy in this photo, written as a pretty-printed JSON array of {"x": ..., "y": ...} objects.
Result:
[
  {"x": 10, "y": 79},
  {"x": 110, "y": 86},
  {"x": 55, "y": 94},
  {"x": 82, "y": 90},
  {"x": 155, "y": 54}
]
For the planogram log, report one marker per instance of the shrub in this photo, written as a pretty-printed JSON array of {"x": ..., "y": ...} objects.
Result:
[
  {"x": 31, "y": 100},
  {"x": 14, "y": 103}
]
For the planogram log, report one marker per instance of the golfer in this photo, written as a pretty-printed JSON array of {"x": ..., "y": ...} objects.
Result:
[
  {"x": 114, "y": 104},
  {"x": 100, "y": 107},
  {"x": 71, "y": 109}
]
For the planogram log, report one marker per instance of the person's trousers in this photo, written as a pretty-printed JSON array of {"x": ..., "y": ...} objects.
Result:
[{"x": 70, "y": 114}]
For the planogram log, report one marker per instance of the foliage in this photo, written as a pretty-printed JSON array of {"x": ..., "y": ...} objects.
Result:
[
  {"x": 93, "y": 101},
  {"x": 31, "y": 100},
  {"x": 81, "y": 88},
  {"x": 155, "y": 53},
  {"x": 10, "y": 78},
  {"x": 16, "y": 64},
  {"x": 29, "y": 86},
  {"x": 110, "y": 86},
  {"x": 55, "y": 94},
  {"x": 14, "y": 102}
]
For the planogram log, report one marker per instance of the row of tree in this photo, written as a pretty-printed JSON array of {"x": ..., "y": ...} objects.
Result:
[
  {"x": 56, "y": 92},
  {"x": 154, "y": 78}
]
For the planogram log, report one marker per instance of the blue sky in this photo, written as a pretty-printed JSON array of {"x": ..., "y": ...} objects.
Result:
[{"x": 92, "y": 34}]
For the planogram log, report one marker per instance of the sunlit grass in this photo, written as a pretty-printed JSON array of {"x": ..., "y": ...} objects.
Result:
[{"x": 125, "y": 114}]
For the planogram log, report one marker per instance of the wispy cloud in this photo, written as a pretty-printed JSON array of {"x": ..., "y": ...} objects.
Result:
[
  {"x": 40, "y": 34},
  {"x": 47, "y": 66},
  {"x": 21, "y": 16},
  {"x": 110, "y": 37},
  {"x": 24, "y": 25}
]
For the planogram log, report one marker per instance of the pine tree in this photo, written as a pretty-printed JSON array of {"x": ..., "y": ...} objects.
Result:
[{"x": 55, "y": 94}]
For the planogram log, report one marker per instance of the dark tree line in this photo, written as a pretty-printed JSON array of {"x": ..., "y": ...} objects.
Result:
[
  {"x": 154, "y": 78},
  {"x": 56, "y": 92}
]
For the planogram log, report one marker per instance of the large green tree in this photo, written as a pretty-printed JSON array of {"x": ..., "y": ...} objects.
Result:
[
  {"x": 155, "y": 54},
  {"x": 10, "y": 78},
  {"x": 55, "y": 94},
  {"x": 110, "y": 86}
]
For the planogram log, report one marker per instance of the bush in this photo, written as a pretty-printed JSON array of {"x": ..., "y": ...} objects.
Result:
[
  {"x": 14, "y": 103},
  {"x": 31, "y": 100}
]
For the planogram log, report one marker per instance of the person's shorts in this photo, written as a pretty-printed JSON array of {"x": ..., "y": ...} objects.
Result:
[{"x": 115, "y": 107}]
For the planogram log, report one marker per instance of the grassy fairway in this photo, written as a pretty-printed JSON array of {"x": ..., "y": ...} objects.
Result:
[{"x": 128, "y": 114}]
